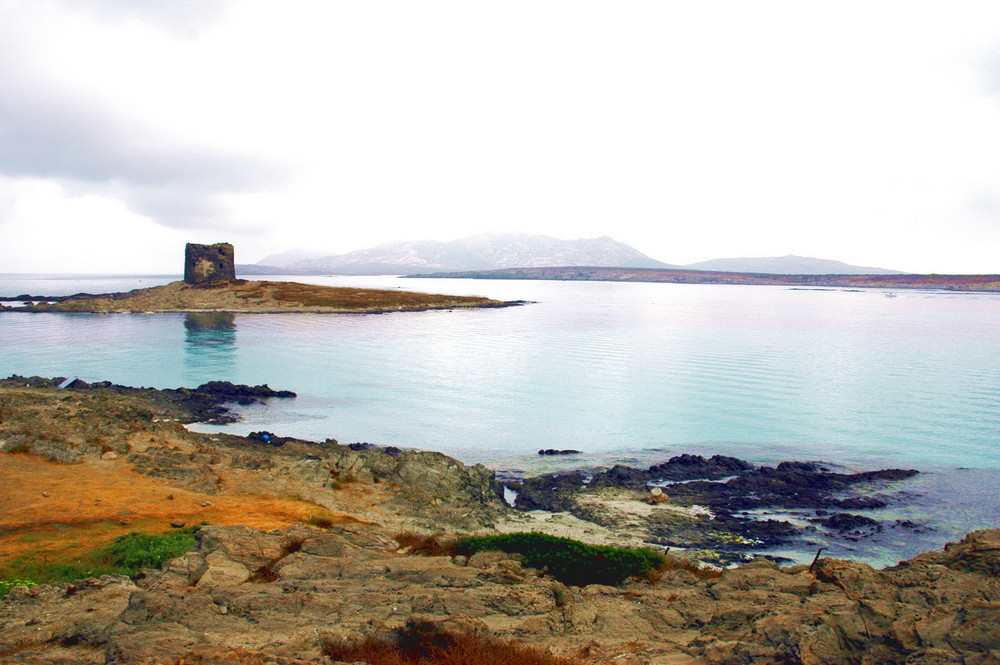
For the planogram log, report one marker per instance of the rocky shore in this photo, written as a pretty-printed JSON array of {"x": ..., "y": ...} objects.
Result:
[
  {"x": 707, "y": 504},
  {"x": 325, "y": 562}
]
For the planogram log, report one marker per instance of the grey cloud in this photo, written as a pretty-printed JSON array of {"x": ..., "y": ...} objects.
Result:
[
  {"x": 182, "y": 206},
  {"x": 66, "y": 139},
  {"x": 46, "y": 132}
]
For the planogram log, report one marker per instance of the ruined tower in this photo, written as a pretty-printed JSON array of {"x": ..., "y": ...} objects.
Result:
[{"x": 206, "y": 264}]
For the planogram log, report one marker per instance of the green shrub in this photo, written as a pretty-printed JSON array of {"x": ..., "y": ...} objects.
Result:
[
  {"x": 126, "y": 555},
  {"x": 569, "y": 561},
  {"x": 134, "y": 551}
]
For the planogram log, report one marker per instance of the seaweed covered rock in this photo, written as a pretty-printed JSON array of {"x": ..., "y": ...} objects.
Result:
[{"x": 706, "y": 502}]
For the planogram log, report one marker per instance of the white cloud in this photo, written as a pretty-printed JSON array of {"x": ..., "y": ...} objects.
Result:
[{"x": 691, "y": 131}]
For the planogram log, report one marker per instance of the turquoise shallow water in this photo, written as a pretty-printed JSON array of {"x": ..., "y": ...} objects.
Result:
[{"x": 624, "y": 372}]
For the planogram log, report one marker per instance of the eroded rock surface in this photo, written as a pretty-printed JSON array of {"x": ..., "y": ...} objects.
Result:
[{"x": 250, "y": 596}]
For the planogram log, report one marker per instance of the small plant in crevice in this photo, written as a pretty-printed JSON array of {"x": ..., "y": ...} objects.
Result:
[
  {"x": 569, "y": 561},
  {"x": 264, "y": 574},
  {"x": 436, "y": 544},
  {"x": 424, "y": 643},
  {"x": 269, "y": 572}
]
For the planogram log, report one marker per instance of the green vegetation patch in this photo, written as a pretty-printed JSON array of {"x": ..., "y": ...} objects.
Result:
[
  {"x": 126, "y": 555},
  {"x": 569, "y": 561}
]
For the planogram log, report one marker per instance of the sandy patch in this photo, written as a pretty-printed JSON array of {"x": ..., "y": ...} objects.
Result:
[
  {"x": 568, "y": 526},
  {"x": 55, "y": 509}
]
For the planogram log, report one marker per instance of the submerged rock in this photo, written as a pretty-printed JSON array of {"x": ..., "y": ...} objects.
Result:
[{"x": 844, "y": 522}]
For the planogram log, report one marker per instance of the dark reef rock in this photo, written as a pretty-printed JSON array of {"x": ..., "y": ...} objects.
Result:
[
  {"x": 722, "y": 487},
  {"x": 361, "y": 445},
  {"x": 789, "y": 485},
  {"x": 553, "y": 451},
  {"x": 241, "y": 394},
  {"x": 553, "y": 491},
  {"x": 206, "y": 403},
  {"x": 849, "y": 522},
  {"x": 676, "y": 469},
  {"x": 272, "y": 439}
]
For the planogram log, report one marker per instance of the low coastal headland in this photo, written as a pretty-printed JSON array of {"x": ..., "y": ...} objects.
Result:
[
  {"x": 244, "y": 296},
  {"x": 288, "y": 551},
  {"x": 984, "y": 283}
]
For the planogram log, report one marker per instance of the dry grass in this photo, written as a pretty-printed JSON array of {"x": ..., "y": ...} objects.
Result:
[
  {"x": 425, "y": 644},
  {"x": 87, "y": 503},
  {"x": 676, "y": 563},
  {"x": 309, "y": 295}
]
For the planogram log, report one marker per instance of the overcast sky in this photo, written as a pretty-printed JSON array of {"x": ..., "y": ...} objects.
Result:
[{"x": 867, "y": 132}]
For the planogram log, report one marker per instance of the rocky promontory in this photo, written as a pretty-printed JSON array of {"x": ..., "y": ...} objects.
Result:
[
  {"x": 304, "y": 546},
  {"x": 254, "y": 296}
]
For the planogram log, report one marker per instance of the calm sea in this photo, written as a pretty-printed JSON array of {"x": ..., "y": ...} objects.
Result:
[{"x": 628, "y": 373}]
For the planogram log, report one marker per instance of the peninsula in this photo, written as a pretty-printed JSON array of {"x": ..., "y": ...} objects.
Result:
[
  {"x": 243, "y": 296},
  {"x": 210, "y": 285}
]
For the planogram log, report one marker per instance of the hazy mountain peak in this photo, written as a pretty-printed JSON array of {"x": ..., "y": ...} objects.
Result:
[{"x": 486, "y": 251}]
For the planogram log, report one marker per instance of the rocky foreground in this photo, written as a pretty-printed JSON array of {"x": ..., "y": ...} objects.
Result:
[
  {"x": 328, "y": 585},
  {"x": 280, "y": 595},
  {"x": 254, "y": 296}
]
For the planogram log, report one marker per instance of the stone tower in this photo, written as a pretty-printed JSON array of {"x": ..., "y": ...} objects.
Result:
[{"x": 207, "y": 264}]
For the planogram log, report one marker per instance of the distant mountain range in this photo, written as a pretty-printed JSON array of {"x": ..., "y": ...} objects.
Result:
[
  {"x": 480, "y": 252},
  {"x": 787, "y": 265},
  {"x": 498, "y": 251}
]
